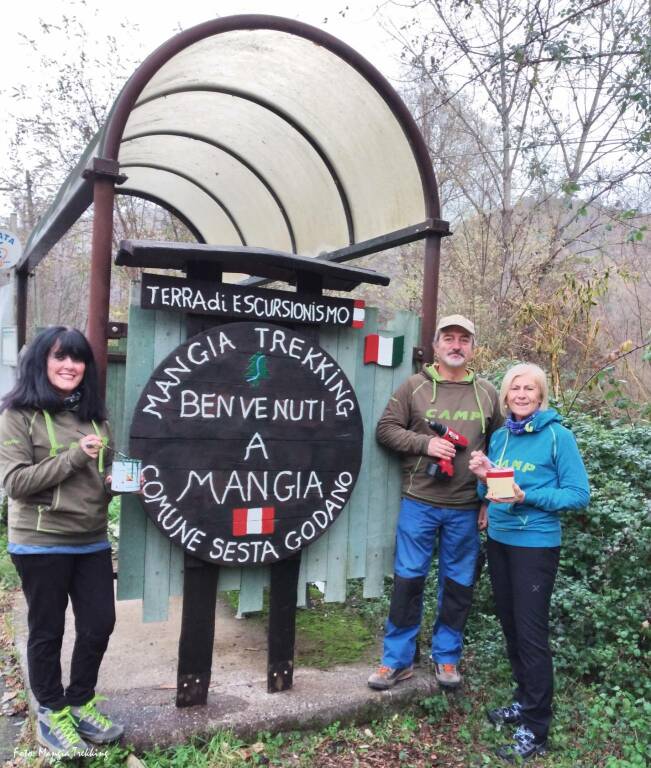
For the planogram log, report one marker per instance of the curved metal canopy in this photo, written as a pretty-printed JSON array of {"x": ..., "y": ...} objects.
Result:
[{"x": 260, "y": 131}]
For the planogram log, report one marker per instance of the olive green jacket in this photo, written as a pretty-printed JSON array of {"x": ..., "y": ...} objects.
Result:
[
  {"x": 57, "y": 493},
  {"x": 470, "y": 407}
]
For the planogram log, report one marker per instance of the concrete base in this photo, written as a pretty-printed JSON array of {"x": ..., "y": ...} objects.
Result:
[{"x": 139, "y": 677}]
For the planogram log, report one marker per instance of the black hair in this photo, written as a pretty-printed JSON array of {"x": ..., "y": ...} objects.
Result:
[{"x": 33, "y": 388}]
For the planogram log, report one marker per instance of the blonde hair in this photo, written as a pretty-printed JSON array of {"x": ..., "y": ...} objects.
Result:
[{"x": 539, "y": 376}]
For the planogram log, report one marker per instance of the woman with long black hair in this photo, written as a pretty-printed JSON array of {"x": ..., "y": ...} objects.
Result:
[{"x": 54, "y": 469}]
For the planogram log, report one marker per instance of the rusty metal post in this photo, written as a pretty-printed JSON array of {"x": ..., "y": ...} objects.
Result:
[
  {"x": 104, "y": 173},
  {"x": 430, "y": 293},
  {"x": 21, "y": 308}
]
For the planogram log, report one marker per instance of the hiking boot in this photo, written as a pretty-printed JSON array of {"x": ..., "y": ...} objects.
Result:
[
  {"x": 387, "y": 677},
  {"x": 93, "y": 725},
  {"x": 57, "y": 732},
  {"x": 524, "y": 746},
  {"x": 447, "y": 675},
  {"x": 506, "y": 715}
]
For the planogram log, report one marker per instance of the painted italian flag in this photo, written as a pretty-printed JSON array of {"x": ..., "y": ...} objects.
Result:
[
  {"x": 384, "y": 350},
  {"x": 358, "y": 313},
  {"x": 253, "y": 520}
]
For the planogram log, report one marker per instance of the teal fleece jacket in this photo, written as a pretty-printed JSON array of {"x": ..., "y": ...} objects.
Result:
[{"x": 549, "y": 469}]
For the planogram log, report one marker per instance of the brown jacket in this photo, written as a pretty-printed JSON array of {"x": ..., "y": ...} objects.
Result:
[
  {"x": 56, "y": 492},
  {"x": 470, "y": 407}
]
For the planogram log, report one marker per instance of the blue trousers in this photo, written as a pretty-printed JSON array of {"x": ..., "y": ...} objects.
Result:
[{"x": 420, "y": 529}]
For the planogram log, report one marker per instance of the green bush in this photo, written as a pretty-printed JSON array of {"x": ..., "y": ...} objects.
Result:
[
  {"x": 8, "y": 576},
  {"x": 601, "y": 606}
]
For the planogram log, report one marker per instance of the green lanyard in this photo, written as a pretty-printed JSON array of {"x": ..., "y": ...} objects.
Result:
[{"x": 55, "y": 447}]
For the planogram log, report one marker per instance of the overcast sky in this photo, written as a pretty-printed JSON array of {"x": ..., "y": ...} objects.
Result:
[{"x": 354, "y": 21}]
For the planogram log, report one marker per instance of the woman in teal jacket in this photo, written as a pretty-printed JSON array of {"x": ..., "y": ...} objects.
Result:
[{"x": 524, "y": 537}]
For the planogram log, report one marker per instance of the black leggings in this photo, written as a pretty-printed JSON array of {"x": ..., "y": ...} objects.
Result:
[
  {"x": 47, "y": 581},
  {"x": 523, "y": 579}
]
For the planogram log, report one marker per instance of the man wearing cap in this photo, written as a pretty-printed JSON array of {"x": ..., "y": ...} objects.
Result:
[{"x": 436, "y": 510}]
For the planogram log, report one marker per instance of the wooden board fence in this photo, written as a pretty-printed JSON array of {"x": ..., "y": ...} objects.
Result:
[{"x": 359, "y": 545}]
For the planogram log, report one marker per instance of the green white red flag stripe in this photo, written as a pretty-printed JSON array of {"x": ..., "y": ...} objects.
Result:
[
  {"x": 253, "y": 520},
  {"x": 383, "y": 350}
]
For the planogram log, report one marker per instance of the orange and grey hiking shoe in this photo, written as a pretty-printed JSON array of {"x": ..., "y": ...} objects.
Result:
[
  {"x": 387, "y": 677},
  {"x": 447, "y": 675}
]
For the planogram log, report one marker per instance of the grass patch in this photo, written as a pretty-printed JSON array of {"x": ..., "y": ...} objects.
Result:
[
  {"x": 8, "y": 575},
  {"x": 327, "y": 634},
  {"x": 446, "y": 731}
]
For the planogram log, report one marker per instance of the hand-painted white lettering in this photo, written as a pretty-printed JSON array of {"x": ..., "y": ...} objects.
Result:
[
  {"x": 225, "y": 406},
  {"x": 207, "y": 405},
  {"x": 330, "y": 506},
  {"x": 253, "y": 486},
  {"x": 153, "y": 290},
  {"x": 199, "y": 302},
  {"x": 256, "y": 443},
  {"x": 278, "y": 340},
  {"x": 224, "y": 342},
  {"x": 216, "y": 304},
  {"x": 344, "y": 407},
  {"x": 246, "y": 407},
  {"x": 262, "y": 334},
  {"x": 321, "y": 368},
  {"x": 204, "y": 354},
  {"x": 256, "y": 551},
  {"x": 296, "y": 348},
  {"x": 311, "y": 355},
  {"x": 207, "y": 478},
  {"x": 189, "y": 404},
  {"x": 280, "y": 409}
]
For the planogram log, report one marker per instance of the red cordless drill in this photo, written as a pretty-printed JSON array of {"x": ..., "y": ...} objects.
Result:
[{"x": 443, "y": 469}]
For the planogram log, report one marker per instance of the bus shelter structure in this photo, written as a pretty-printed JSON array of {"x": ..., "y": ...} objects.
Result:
[{"x": 256, "y": 132}]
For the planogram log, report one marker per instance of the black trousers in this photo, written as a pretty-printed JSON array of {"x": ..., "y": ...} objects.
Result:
[
  {"x": 523, "y": 579},
  {"x": 48, "y": 581}
]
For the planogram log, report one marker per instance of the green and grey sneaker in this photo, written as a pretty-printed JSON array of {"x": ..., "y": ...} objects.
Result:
[
  {"x": 93, "y": 725},
  {"x": 387, "y": 677},
  {"x": 57, "y": 732}
]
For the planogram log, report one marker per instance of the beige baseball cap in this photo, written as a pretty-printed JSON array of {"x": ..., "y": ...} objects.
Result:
[{"x": 460, "y": 320}]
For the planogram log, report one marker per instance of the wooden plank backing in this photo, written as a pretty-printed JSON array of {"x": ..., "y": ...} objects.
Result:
[
  {"x": 384, "y": 470},
  {"x": 140, "y": 356},
  {"x": 337, "y": 563},
  {"x": 409, "y": 324},
  {"x": 359, "y": 545},
  {"x": 158, "y": 549},
  {"x": 364, "y": 382}
]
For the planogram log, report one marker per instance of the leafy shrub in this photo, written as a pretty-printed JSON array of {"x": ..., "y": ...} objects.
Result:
[{"x": 601, "y": 606}]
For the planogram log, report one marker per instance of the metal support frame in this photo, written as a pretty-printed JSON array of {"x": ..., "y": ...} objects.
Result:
[
  {"x": 105, "y": 174},
  {"x": 22, "y": 276},
  {"x": 430, "y": 292}
]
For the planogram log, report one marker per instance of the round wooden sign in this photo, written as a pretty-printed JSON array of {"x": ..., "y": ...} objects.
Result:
[{"x": 251, "y": 441}]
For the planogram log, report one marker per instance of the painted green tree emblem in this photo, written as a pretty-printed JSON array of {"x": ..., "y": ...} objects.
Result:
[{"x": 256, "y": 370}]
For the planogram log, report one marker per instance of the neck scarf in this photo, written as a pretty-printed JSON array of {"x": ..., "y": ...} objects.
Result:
[
  {"x": 520, "y": 427},
  {"x": 71, "y": 403}
]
